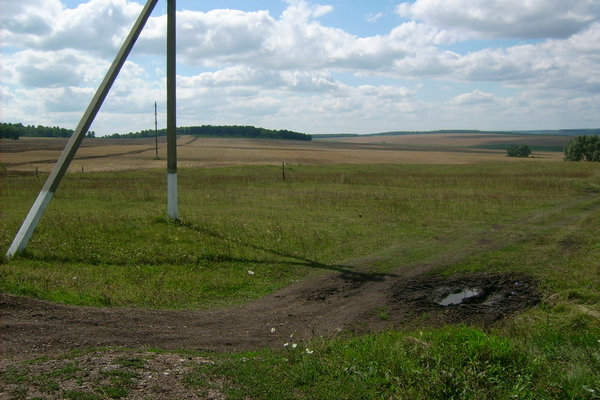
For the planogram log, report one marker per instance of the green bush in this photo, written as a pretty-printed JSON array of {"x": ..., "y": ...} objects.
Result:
[{"x": 519, "y": 150}]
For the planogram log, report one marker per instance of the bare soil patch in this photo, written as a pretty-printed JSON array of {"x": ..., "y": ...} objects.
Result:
[{"x": 322, "y": 307}]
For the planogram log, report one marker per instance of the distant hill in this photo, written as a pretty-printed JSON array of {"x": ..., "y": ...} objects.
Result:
[{"x": 560, "y": 132}]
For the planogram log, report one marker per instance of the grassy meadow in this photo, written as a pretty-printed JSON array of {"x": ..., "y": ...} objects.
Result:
[{"x": 105, "y": 241}]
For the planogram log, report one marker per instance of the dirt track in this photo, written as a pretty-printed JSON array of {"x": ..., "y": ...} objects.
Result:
[{"x": 327, "y": 306}]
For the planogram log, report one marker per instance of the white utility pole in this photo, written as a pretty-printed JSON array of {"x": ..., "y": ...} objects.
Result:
[{"x": 172, "y": 210}]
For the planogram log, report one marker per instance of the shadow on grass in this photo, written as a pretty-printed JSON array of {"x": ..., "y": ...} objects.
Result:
[{"x": 345, "y": 271}]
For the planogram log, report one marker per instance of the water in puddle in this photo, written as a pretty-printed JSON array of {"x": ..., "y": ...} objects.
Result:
[{"x": 457, "y": 298}]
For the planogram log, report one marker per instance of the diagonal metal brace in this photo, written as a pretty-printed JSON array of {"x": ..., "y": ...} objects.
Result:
[{"x": 37, "y": 210}]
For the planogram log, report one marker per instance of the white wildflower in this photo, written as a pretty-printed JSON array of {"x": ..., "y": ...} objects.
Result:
[
  {"x": 309, "y": 351},
  {"x": 294, "y": 345},
  {"x": 250, "y": 272},
  {"x": 272, "y": 330}
]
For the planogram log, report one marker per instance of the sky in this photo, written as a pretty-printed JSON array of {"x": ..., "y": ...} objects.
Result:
[{"x": 332, "y": 66}]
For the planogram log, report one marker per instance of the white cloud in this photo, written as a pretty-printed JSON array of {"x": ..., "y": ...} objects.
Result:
[
  {"x": 292, "y": 71},
  {"x": 309, "y": 82},
  {"x": 99, "y": 25},
  {"x": 31, "y": 68},
  {"x": 373, "y": 17},
  {"x": 222, "y": 36},
  {"x": 552, "y": 65},
  {"x": 304, "y": 11},
  {"x": 475, "y": 97},
  {"x": 508, "y": 18},
  {"x": 27, "y": 18},
  {"x": 66, "y": 99}
]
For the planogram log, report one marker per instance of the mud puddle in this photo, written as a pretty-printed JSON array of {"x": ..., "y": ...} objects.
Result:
[{"x": 470, "y": 299}]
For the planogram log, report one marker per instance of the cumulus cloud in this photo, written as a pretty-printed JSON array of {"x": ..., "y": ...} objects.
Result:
[
  {"x": 67, "y": 99},
  {"x": 32, "y": 68},
  {"x": 506, "y": 19},
  {"x": 222, "y": 36},
  {"x": 552, "y": 65},
  {"x": 292, "y": 70},
  {"x": 28, "y": 18},
  {"x": 475, "y": 97},
  {"x": 99, "y": 25}
]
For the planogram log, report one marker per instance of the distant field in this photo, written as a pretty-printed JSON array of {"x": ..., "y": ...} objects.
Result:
[
  {"x": 101, "y": 154},
  {"x": 459, "y": 140}
]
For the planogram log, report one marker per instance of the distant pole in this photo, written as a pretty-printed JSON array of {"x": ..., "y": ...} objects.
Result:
[
  {"x": 172, "y": 211},
  {"x": 156, "y": 128},
  {"x": 39, "y": 206},
  {"x": 283, "y": 169}
]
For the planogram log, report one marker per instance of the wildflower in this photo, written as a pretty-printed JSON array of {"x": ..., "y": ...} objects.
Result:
[
  {"x": 309, "y": 351},
  {"x": 250, "y": 272},
  {"x": 294, "y": 345},
  {"x": 286, "y": 344},
  {"x": 272, "y": 330}
]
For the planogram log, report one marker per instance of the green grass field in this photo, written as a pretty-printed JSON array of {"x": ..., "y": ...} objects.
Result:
[{"x": 105, "y": 241}]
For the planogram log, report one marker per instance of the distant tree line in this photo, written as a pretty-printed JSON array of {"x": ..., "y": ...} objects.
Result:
[
  {"x": 583, "y": 148},
  {"x": 221, "y": 131},
  {"x": 14, "y": 131}
]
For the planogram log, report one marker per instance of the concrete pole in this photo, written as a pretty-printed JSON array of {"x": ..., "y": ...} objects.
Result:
[
  {"x": 172, "y": 210},
  {"x": 39, "y": 206}
]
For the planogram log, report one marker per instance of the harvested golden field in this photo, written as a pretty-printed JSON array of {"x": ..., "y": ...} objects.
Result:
[{"x": 101, "y": 154}]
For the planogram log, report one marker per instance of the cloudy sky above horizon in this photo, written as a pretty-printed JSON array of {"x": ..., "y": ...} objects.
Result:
[{"x": 317, "y": 67}]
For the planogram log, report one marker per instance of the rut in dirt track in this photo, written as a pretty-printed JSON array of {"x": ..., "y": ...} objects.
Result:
[{"x": 32, "y": 327}]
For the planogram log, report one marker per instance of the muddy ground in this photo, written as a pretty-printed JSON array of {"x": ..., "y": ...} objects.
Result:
[{"x": 328, "y": 306}]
